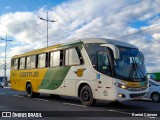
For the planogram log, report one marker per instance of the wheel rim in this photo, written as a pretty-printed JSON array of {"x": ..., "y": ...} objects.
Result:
[
  {"x": 86, "y": 96},
  {"x": 155, "y": 97}
]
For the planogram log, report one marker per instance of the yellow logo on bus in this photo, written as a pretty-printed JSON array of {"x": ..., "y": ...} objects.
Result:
[
  {"x": 135, "y": 84},
  {"x": 79, "y": 72}
]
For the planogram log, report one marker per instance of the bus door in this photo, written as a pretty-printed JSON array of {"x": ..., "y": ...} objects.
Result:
[
  {"x": 104, "y": 82},
  {"x": 73, "y": 59}
]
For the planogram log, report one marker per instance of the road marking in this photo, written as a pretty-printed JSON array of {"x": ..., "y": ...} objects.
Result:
[
  {"x": 120, "y": 112},
  {"x": 2, "y": 93},
  {"x": 33, "y": 98},
  {"x": 74, "y": 104},
  {"x": 17, "y": 96},
  {"x": 40, "y": 99}
]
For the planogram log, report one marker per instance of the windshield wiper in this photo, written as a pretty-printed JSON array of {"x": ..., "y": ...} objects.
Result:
[{"x": 130, "y": 77}]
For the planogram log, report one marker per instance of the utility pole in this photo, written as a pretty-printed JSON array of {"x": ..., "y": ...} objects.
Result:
[
  {"x": 47, "y": 20},
  {"x": 5, "y": 63}
]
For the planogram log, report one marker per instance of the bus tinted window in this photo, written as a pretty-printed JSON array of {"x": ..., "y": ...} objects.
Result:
[
  {"x": 72, "y": 57},
  {"x": 15, "y": 64},
  {"x": 92, "y": 50},
  {"x": 55, "y": 59},
  {"x": 42, "y": 60},
  {"x": 103, "y": 64},
  {"x": 22, "y": 63},
  {"x": 31, "y": 61},
  {"x": 99, "y": 57}
]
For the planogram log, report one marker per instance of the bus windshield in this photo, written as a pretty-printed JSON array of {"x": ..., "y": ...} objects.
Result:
[{"x": 130, "y": 65}]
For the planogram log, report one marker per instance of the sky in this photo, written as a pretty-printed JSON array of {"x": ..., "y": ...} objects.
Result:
[{"x": 77, "y": 19}]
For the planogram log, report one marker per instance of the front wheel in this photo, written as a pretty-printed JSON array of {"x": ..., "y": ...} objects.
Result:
[
  {"x": 155, "y": 97},
  {"x": 30, "y": 92},
  {"x": 86, "y": 96}
]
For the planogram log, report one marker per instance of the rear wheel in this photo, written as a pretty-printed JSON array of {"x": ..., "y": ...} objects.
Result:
[
  {"x": 86, "y": 96},
  {"x": 155, "y": 97},
  {"x": 30, "y": 92}
]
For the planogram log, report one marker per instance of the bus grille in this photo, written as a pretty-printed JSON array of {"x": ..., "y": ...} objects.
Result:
[
  {"x": 137, "y": 95},
  {"x": 137, "y": 89}
]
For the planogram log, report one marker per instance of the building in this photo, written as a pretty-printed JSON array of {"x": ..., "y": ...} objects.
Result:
[{"x": 2, "y": 79}]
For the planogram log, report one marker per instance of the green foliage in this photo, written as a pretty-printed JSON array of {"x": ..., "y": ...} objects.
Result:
[{"x": 157, "y": 74}]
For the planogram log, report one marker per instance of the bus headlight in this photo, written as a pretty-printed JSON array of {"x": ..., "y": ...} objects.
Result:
[{"x": 121, "y": 86}]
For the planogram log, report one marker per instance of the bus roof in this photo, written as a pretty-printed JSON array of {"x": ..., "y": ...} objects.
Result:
[
  {"x": 108, "y": 41},
  {"x": 73, "y": 43}
]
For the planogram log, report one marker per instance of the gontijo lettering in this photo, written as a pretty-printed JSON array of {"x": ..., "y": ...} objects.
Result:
[{"x": 29, "y": 74}]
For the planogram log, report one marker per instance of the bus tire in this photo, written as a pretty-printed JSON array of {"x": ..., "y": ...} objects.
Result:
[
  {"x": 30, "y": 92},
  {"x": 86, "y": 96}
]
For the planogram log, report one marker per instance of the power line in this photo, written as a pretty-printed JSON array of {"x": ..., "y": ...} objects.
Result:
[{"x": 139, "y": 31}]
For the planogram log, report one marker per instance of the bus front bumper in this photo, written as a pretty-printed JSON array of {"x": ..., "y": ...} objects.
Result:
[{"x": 124, "y": 95}]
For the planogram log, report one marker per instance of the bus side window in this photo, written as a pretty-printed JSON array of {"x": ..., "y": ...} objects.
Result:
[
  {"x": 55, "y": 59},
  {"x": 31, "y": 62},
  {"x": 22, "y": 63},
  {"x": 28, "y": 62},
  {"x": 103, "y": 64},
  {"x": 71, "y": 57},
  {"x": 14, "y": 64},
  {"x": 42, "y": 60}
]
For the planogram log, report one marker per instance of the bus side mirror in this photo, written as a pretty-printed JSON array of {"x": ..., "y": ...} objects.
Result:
[{"x": 114, "y": 49}]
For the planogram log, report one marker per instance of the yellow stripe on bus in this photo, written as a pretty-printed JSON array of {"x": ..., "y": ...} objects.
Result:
[{"x": 20, "y": 78}]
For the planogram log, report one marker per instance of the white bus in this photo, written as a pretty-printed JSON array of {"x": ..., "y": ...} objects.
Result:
[{"x": 91, "y": 69}]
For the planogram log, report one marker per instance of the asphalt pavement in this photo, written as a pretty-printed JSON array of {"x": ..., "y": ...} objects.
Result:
[{"x": 46, "y": 107}]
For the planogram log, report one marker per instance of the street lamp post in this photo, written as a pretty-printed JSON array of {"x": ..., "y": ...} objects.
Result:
[
  {"x": 5, "y": 63},
  {"x": 47, "y": 20}
]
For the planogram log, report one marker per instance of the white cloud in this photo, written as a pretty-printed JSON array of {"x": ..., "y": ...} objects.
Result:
[
  {"x": 156, "y": 36},
  {"x": 2, "y": 54},
  {"x": 20, "y": 49},
  {"x": 86, "y": 18},
  {"x": 2, "y": 44}
]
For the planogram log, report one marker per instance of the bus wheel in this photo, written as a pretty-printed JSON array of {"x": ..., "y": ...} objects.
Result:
[
  {"x": 86, "y": 96},
  {"x": 155, "y": 97},
  {"x": 30, "y": 92}
]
